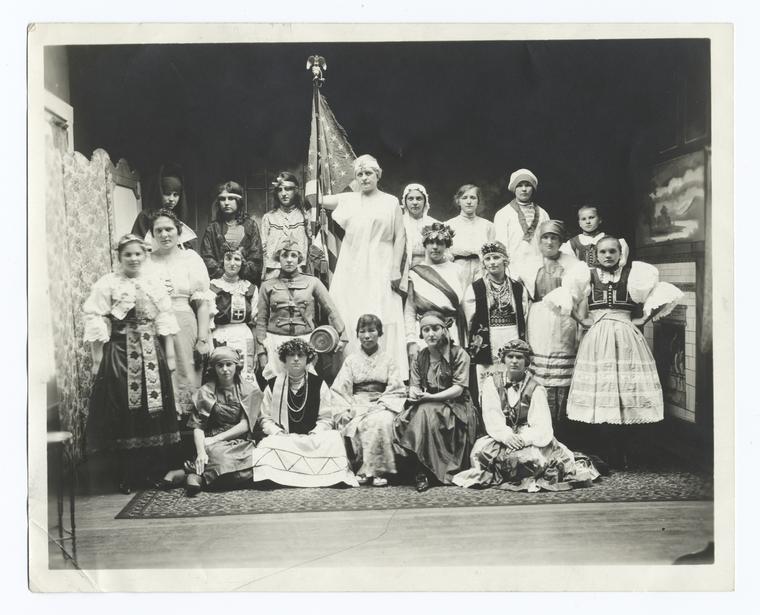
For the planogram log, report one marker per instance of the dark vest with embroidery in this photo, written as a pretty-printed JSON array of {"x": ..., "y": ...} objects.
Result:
[
  {"x": 311, "y": 409},
  {"x": 481, "y": 324},
  {"x": 518, "y": 416},
  {"x": 613, "y": 295},
  {"x": 587, "y": 254}
]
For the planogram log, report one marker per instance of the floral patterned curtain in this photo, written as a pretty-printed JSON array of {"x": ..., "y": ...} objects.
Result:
[{"x": 79, "y": 216}]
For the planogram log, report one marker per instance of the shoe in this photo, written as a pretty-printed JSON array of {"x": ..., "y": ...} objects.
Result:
[
  {"x": 421, "y": 483},
  {"x": 380, "y": 481},
  {"x": 125, "y": 488},
  {"x": 193, "y": 485},
  {"x": 363, "y": 480},
  {"x": 172, "y": 479}
]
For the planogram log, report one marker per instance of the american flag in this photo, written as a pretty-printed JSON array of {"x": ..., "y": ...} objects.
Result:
[{"x": 336, "y": 174}]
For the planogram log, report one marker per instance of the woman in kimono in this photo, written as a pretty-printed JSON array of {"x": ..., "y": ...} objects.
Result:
[
  {"x": 185, "y": 276},
  {"x": 236, "y": 302},
  {"x": 287, "y": 309},
  {"x": 416, "y": 205},
  {"x": 433, "y": 285},
  {"x": 221, "y": 428},
  {"x": 232, "y": 228},
  {"x": 168, "y": 192},
  {"x": 301, "y": 448},
  {"x": 370, "y": 275},
  {"x": 520, "y": 452},
  {"x": 494, "y": 308},
  {"x": 288, "y": 219},
  {"x": 472, "y": 232},
  {"x": 129, "y": 323},
  {"x": 370, "y": 389},
  {"x": 437, "y": 429},
  {"x": 615, "y": 381}
]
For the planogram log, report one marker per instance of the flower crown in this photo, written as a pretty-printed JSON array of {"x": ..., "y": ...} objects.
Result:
[{"x": 438, "y": 232}]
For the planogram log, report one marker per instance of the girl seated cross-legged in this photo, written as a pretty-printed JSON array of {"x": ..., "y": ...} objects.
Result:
[{"x": 520, "y": 451}]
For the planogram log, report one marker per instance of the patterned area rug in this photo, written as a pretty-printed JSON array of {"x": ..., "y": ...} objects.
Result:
[{"x": 630, "y": 486}]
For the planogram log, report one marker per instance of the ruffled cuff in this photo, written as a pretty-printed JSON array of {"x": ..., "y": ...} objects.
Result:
[
  {"x": 96, "y": 328},
  {"x": 560, "y": 300},
  {"x": 209, "y": 297},
  {"x": 166, "y": 323},
  {"x": 664, "y": 296}
]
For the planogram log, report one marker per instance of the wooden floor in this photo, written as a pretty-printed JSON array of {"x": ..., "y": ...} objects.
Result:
[{"x": 595, "y": 534}]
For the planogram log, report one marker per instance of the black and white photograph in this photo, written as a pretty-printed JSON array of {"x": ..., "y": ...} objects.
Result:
[{"x": 421, "y": 307}]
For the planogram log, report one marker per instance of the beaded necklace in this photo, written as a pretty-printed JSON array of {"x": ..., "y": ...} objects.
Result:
[{"x": 296, "y": 405}]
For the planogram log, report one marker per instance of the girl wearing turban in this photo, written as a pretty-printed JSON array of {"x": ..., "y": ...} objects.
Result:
[{"x": 221, "y": 428}]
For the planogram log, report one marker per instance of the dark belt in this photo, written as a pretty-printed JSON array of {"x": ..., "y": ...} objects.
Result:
[{"x": 467, "y": 258}]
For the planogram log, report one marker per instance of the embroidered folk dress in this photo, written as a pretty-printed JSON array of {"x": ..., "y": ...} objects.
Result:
[
  {"x": 132, "y": 403},
  {"x": 518, "y": 235},
  {"x": 365, "y": 268},
  {"x": 369, "y": 393},
  {"x": 439, "y": 434},
  {"x": 551, "y": 330},
  {"x": 471, "y": 234},
  {"x": 277, "y": 225},
  {"x": 615, "y": 379},
  {"x": 495, "y": 315},
  {"x": 235, "y": 314},
  {"x": 543, "y": 463},
  {"x": 301, "y": 448},
  {"x": 583, "y": 247},
  {"x": 433, "y": 287},
  {"x": 215, "y": 410},
  {"x": 186, "y": 278}
]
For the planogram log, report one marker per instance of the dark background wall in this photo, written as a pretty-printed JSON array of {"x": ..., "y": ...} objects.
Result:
[{"x": 588, "y": 117}]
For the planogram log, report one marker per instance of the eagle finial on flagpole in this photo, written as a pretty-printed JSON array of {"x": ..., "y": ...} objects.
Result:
[{"x": 317, "y": 65}]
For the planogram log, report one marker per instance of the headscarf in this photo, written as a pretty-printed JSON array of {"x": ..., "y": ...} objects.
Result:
[
  {"x": 367, "y": 161},
  {"x": 493, "y": 247},
  {"x": 552, "y": 226},
  {"x": 421, "y": 189},
  {"x": 522, "y": 175},
  {"x": 224, "y": 353}
]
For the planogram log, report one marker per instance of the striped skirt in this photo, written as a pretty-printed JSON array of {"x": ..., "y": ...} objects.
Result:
[
  {"x": 554, "y": 340},
  {"x": 615, "y": 377}
]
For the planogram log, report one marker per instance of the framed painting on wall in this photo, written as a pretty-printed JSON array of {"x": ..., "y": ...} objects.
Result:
[{"x": 674, "y": 208}]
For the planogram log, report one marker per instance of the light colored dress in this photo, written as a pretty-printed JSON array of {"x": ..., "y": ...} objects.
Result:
[
  {"x": 310, "y": 453},
  {"x": 552, "y": 333},
  {"x": 615, "y": 379},
  {"x": 471, "y": 234},
  {"x": 434, "y": 287},
  {"x": 362, "y": 280},
  {"x": 186, "y": 279},
  {"x": 543, "y": 463},
  {"x": 517, "y": 228},
  {"x": 369, "y": 393}
]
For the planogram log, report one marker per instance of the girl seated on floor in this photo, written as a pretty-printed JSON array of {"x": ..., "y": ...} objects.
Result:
[
  {"x": 221, "y": 428},
  {"x": 520, "y": 451},
  {"x": 301, "y": 448},
  {"x": 370, "y": 389}
]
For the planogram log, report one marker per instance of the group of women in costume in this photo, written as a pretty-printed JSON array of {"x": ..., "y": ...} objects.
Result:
[{"x": 467, "y": 347}]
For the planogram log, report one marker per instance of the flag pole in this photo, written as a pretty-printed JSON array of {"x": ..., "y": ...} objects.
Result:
[{"x": 317, "y": 65}]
